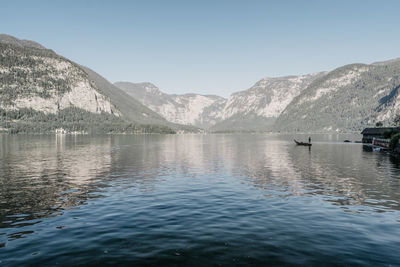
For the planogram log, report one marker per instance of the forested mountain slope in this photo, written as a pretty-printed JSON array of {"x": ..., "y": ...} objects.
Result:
[
  {"x": 36, "y": 85},
  {"x": 347, "y": 98},
  {"x": 257, "y": 108},
  {"x": 41, "y": 91},
  {"x": 253, "y": 109}
]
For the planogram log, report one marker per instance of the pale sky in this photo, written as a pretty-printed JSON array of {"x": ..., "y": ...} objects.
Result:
[{"x": 208, "y": 47}]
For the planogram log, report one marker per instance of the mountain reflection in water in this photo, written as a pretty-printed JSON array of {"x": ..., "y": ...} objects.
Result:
[{"x": 44, "y": 177}]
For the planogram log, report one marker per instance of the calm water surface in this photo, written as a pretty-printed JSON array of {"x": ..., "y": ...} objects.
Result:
[{"x": 201, "y": 200}]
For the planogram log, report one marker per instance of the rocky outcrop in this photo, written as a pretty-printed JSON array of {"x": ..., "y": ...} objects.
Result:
[
  {"x": 191, "y": 109},
  {"x": 348, "y": 98},
  {"x": 37, "y": 78}
]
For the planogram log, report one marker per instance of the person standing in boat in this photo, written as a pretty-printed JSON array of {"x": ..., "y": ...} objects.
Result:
[{"x": 309, "y": 140}]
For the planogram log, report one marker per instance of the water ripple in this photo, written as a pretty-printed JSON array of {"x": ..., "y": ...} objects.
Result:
[{"x": 201, "y": 200}]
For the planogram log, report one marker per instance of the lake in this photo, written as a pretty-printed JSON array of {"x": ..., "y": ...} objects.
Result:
[{"x": 196, "y": 200}]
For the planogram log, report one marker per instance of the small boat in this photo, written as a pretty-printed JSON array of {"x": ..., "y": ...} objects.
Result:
[{"x": 302, "y": 143}]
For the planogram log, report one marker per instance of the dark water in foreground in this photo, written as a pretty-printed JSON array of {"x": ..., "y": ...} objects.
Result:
[{"x": 205, "y": 200}]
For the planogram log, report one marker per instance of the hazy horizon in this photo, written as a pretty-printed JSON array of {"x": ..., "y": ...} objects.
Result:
[{"x": 208, "y": 47}]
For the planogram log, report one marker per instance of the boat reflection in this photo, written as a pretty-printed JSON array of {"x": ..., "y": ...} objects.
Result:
[{"x": 42, "y": 176}]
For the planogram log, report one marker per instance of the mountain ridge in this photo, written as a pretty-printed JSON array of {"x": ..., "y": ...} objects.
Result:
[
  {"x": 37, "y": 82},
  {"x": 253, "y": 109},
  {"x": 8, "y": 39},
  {"x": 193, "y": 109},
  {"x": 346, "y": 99}
]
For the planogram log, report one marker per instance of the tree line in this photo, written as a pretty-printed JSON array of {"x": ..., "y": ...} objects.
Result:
[{"x": 72, "y": 119}]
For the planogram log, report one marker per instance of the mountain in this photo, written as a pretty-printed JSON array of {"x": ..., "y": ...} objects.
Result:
[
  {"x": 37, "y": 85},
  {"x": 191, "y": 109},
  {"x": 258, "y": 107},
  {"x": 130, "y": 107},
  {"x": 347, "y": 98},
  {"x": 8, "y": 39},
  {"x": 41, "y": 91},
  {"x": 253, "y": 109},
  {"x": 44, "y": 81}
]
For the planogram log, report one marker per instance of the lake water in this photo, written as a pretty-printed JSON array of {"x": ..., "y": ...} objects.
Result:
[{"x": 196, "y": 200}]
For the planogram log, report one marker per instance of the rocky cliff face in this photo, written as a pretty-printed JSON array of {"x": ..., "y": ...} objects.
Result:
[
  {"x": 252, "y": 109},
  {"x": 191, "y": 109},
  {"x": 268, "y": 97},
  {"x": 41, "y": 91},
  {"x": 257, "y": 107},
  {"x": 34, "y": 77},
  {"x": 348, "y": 98}
]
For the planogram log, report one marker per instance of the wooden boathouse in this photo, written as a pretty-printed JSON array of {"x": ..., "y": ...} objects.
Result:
[{"x": 369, "y": 134}]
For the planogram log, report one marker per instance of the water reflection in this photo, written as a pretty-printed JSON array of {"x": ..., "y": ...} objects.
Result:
[
  {"x": 349, "y": 176},
  {"x": 341, "y": 173},
  {"x": 42, "y": 176}
]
